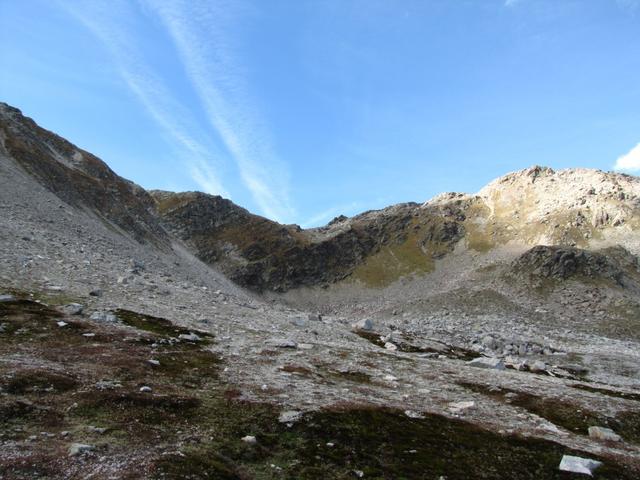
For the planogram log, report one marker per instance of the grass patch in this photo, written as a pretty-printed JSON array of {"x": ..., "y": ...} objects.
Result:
[{"x": 157, "y": 325}]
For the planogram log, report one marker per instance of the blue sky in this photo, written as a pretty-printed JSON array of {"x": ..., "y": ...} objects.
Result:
[{"x": 304, "y": 110}]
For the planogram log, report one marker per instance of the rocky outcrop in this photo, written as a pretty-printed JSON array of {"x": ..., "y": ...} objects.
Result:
[{"x": 558, "y": 263}]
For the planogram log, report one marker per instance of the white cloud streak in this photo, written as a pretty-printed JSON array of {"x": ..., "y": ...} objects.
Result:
[
  {"x": 203, "y": 33},
  {"x": 323, "y": 217},
  {"x": 629, "y": 162},
  {"x": 107, "y": 21}
]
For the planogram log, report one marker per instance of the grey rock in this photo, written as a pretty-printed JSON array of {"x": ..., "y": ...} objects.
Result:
[
  {"x": 79, "y": 449},
  {"x": 487, "y": 362},
  {"x": 7, "y": 298},
  {"x": 314, "y": 317},
  {"x": 189, "y": 337},
  {"x": 573, "y": 464},
  {"x": 107, "y": 385},
  {"x": 537, "y": 366},
  {"x": 145, "y": 389},
  {"x": 96, "y": 293},
  {"x": 391, "y": 346},
  {"x": 299, "y": 321},
  {"x": 106, "y": 317},
  {"x": 290, "y": 416},
  {"x": 364, "y": 324},
  {"x": 602, "y": 433},
  {"x": 98, "y": 430},
  {"x": 250, "y": 439},
  {"x": 73, "y": 309}
]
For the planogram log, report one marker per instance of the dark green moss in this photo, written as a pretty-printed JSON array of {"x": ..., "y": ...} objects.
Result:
[
  {"x": 567, "y": 414},
  {"x": 157, "y": 325},
  {"x": 38, "y": 381},
  {"x": 196, "y": 464}
]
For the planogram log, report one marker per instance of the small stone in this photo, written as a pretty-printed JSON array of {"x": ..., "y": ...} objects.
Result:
[
  {"x": 154, "y": 362},
  {"x": 358, "y": 473},
  {"x": 79, "y": 449},
  {"x": 64, "y": 433},
  {"x": 73, "y": 309},
  {"x": 249, "y": 439},
  {"x": 99, "y": 430},
  {"x": 299, "y": 321},
  {"x": 62, "y": 323},
  {"x": 602, "y": 433},
  {"x": 573, "y": 464},
  {"x": 391, "y": 346},
  {"x": 487, "y": 362},
  {"x": 89, "y": 334},
  {"x": 330, "y": 444},
  {"x": 390, "y": 378},
  {"x": 145, "y": 389},
  {"x": 314, "y": 317},
  {"x": 107, "y": 385},
  {"x": 413, "y": 414},
  {"x": 305, "y": 346},
  {"x": 457, "y": 407},
  {"x": 538, "y": 366},
  {"x": 290, "y": 416},
  {"x": 122, "y": 280},
  {"x": 106, "y": 317},
  {"x": 96, "y": 293},
  {"x": 365, "y": 324},
  {"x": 7, "y": 298},
  {"x": 189, "y": 337}
]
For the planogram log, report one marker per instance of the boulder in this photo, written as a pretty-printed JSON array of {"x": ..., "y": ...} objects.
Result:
[
  {"x": 391, "y": 346},
  {"x": 299, "y": 321},
  {"x": 106, "y": 317},
  {"x": 189, "y": 337},
  {"x": 73, "y": 309},
  {"x": 573, "y": 464},
  {"x": 290, "y": 416},
  {"x": 79, "y": 449},
  {"x": 364, "y": 324},
  {"x": 458, "y": 407},
  {"x": 487, "y": 362},
  {"x": 602, "y": 433},
  {"x": 537, "y": 366}
]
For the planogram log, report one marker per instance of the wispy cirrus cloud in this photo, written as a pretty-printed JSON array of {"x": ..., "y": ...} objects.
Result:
[
  {"x": 111, "y": 23},
  {"x": 204, "y": 33},
  {"x": 629, "y": 162},
  {"x": 330, "y": 213}
]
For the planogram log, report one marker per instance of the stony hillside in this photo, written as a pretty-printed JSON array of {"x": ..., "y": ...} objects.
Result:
[
  {"x": 536, "y": 206},
  {"x": 78, "y": 177}
]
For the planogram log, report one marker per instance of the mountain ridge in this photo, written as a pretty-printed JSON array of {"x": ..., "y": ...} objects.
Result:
[{"x": 537, "y": 205}]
